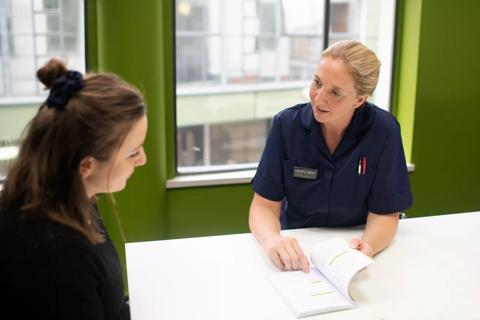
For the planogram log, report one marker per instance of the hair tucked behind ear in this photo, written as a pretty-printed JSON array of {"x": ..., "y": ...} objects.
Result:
[{"x": 95, "y": 120}]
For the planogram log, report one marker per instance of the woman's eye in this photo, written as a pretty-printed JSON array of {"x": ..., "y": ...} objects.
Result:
[
  {"x": 133, "y": 155},
  {"x": 335, "y": 93},
  {"x": 317, "y": 82}
]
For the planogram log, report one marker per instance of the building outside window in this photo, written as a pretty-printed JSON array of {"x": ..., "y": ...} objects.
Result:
[
  {"x": 32, "y": 32},
  {"x": 238, "y": 62}
]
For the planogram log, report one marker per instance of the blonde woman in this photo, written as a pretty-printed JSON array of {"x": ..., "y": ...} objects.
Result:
[{"x": 336, "y": 161}]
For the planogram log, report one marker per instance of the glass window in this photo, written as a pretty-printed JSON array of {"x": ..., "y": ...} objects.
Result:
[
  {"x": 238, "y": 62},
  {"x": 32, "y": 32}
]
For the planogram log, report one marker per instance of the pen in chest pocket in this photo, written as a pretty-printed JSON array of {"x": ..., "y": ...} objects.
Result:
[{"x": 362, "y": 166}]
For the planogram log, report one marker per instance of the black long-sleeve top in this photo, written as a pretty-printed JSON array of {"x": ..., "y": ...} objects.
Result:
[{"x": 51, "y": 271}]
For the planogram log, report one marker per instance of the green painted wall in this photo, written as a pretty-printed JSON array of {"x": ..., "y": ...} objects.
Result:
[
  {"x": 209, "y": 210},
  {"x": 445, "y": 145},
  {"x": 130, "y": 41},
  {"x": 434, "y": 100},
  {"x": 405, "y": 79}
]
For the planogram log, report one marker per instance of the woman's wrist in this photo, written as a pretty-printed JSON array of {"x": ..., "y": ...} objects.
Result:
[{"x": 266, "y": 238}]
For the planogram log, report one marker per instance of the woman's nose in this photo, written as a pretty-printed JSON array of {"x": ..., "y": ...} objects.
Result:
[
  {"x": 142, "y": 159},
  {"x": 318, "y": 95}
]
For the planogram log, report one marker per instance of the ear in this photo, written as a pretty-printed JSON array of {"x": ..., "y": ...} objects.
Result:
[
  {"x": 87, "y": 165},
  {"x": 360, "y": 100}
]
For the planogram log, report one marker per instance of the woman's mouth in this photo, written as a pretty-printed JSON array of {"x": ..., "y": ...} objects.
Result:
[{"x": 321, "y": 110}]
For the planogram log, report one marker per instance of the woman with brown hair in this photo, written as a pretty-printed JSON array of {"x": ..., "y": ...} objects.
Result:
[{"x": 56, "y": 258}]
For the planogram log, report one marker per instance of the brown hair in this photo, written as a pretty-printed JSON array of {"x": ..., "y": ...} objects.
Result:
[
  {"x": 362, "y": 63},
  {"x": 45, "y": 177}
]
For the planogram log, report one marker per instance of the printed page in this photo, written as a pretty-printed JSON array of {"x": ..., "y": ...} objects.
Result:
[
  {"x": 308, "y": 293},
  {"x": 338, "y": 262}
]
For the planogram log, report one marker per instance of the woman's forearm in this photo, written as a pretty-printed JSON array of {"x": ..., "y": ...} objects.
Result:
[
  {"x": 264, "y": 218},
  {"x": 380, "y": 230}
]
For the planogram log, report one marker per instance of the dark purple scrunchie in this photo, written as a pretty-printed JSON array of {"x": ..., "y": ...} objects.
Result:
[{"x": 63, "y": 89}]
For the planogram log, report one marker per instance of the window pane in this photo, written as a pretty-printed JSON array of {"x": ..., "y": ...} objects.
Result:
[
  {"x": 197, "y": 60},
  {"x": 2, "y": 84},
  {"x": 50, "y": 44},
  {"x": 8, "y": 151},
  {"x": 190, "y": 146},
  {"x": 198, "y": 15},
  {"x": 71, "y": 20},
  {"x": 371, "y": 22},
  {"x": 237, "y": 142},
  {"x": 303, "y": 17},
  {"x": 21, "y": 45},
  {"x": 340, "y": 17},
  {"x": 32, "y": 32},
  {"x": 50, "y": 4}
]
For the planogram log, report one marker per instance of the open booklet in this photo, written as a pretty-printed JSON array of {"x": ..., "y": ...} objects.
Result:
[{"x": 326, "y": 287}]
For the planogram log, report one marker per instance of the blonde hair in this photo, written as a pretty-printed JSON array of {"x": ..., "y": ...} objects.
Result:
[{"x": 362, "y": 63}]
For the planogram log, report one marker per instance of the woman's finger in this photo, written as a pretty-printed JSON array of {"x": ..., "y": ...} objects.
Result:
[
  {"x": 276, "y": 260},
  {"x": 304, "y": 263},
  {"x": 284, "y": 257},
  {"x": 294, "y": 257}
]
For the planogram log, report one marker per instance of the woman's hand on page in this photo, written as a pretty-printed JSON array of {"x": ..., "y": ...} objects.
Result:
[
  {"x": 362, "y": 246},
  {"x": 286, "y": 253}
]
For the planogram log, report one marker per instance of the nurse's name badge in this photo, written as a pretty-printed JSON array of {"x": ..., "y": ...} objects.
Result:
[{"x": 305, "y": 173}]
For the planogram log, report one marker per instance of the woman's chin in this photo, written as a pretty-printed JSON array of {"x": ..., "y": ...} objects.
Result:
[
  {"x": 118, "y": 188},
  {"x": 321, "y": 118}
]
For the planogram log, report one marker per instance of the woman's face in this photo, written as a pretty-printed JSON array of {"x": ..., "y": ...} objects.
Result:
[
  {"x": 332, "y": 93},
  {"x": 112, "y": 175}
]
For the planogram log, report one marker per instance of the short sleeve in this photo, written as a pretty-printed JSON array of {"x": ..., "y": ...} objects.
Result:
[
  {"x": 390, "y": 190},
  {"x": 268, "y": 181}
]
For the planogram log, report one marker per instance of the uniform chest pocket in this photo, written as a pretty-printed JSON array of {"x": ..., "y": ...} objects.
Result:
[
  {"x": 303, "y": 184},
  {"x": 363, "y": 185}
]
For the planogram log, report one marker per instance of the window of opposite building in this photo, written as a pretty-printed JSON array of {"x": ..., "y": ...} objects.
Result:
[
  {"x": 238, "y": 62},
  {"x": 32, "y": 32}
]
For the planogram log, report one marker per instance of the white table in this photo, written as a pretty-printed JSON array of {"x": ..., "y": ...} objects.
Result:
[{"x": 430, "y": 271}]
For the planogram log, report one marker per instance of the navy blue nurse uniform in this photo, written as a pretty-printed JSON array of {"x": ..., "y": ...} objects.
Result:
[{"x": 367, "y": 171}]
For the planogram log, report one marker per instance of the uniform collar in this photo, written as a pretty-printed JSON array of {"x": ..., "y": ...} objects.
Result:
[
  {"x": 307, "y": 119},
  {"x": 361, "y": 121}
]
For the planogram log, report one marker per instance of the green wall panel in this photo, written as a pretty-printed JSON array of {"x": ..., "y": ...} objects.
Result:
[
  {"x": 130, "y": 42},
  {"x": 209, "y": 210},
  {"x": 91, "y": 37},
  {"x": 406, "y": 68},
  {"x": 445, "y": 145}
]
